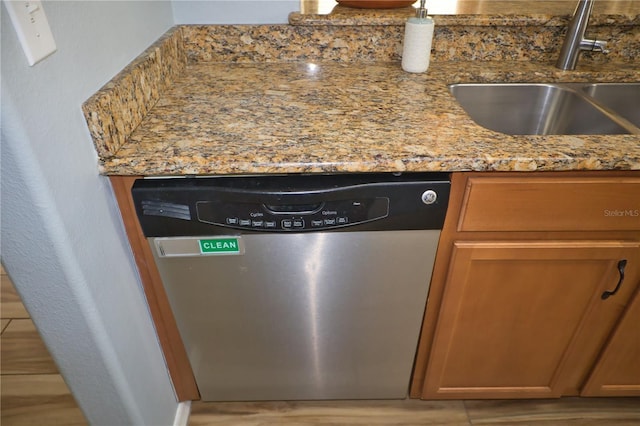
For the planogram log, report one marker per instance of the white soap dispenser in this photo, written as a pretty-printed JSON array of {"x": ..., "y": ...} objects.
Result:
[{"x": 416, "y": 48}]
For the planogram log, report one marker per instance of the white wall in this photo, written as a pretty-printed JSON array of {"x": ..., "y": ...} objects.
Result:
[
  {"x": 233, "y": 11},
  {"x": 62, "y": 239}
]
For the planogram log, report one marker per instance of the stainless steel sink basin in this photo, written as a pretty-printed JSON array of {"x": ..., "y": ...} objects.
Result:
[
  {"x": 623, "y": 98},
  {"x": 548, "y": 109}
]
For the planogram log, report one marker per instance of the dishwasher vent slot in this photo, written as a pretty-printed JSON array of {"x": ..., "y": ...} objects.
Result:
[{"x": 161, "y": 208}]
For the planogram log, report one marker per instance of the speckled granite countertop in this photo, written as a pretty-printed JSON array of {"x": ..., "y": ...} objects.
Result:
[
  {"x": 295, "y": 117},
  {"x": 332, "y": 98}
]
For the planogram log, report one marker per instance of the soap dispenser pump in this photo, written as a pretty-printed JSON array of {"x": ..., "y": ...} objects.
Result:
[{"x": 418, "y": 34}]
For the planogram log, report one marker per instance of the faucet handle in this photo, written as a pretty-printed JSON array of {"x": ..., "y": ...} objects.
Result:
[
  {"x": 594, "y": 45},
  {"x": 600, "y": 46}
]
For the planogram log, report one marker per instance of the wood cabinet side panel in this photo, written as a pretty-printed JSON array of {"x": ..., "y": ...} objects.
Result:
[{"x": 168, "y": 335}]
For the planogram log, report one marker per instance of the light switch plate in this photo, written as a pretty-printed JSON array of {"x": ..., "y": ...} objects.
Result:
[{"x": 32, "y": 27}]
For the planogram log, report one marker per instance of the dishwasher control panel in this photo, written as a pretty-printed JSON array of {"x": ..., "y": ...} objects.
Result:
[
  {"x": 232, "y": 205},
  {"x": 293, "y": 217}
]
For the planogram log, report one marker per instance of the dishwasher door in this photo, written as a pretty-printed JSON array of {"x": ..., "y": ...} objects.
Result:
[{"x": 322, "y": 315}]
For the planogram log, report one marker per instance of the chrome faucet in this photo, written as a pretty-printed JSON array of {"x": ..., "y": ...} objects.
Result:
[{"x": 575, "y": 41}]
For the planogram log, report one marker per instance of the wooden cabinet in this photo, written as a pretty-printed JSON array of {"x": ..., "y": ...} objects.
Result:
[
  {"x": 516, "y": 307},
  {"x": 520, "y": 318}
]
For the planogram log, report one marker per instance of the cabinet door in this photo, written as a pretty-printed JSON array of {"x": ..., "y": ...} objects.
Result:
[
  {"x": 617, "y": 372},
  {"x": 525, "y": 319}
]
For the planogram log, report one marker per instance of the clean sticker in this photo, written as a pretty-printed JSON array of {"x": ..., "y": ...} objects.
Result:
[{"x": 220, "y": 245}]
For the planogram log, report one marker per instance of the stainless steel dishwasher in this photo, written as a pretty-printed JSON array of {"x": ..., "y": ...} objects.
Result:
[{"x": 294, "y": 287}]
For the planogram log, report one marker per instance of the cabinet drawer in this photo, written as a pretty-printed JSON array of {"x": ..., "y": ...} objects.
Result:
[{"x": 551, "y": 204}]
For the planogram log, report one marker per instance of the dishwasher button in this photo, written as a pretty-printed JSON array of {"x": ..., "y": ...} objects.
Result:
[
  {"x": 245, "y": 222},
  {"x": 270, "y": 224},
  {"x": 287, "y": 224},
  {"x": 257, "y": 223},
  {"x": 232, "y": 221},
  {"x": 329, "y": 221},
  {"x": 298, "y": 223},
  {"x": 342, "y": 220},
  {"x": 317, "y": 223}
]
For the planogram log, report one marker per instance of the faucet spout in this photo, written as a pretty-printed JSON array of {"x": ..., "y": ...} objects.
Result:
[{"x": 575, "y": 40}]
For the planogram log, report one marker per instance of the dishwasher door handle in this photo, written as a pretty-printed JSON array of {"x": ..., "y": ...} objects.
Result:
[{"x": 229, "y": 245}]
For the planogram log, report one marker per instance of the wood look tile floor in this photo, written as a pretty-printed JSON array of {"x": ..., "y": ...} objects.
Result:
[
  {"x": 565, "y": 411},
  {"x": 32, "y": 392}
]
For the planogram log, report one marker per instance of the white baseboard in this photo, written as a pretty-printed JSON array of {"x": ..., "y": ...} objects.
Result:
[{"x": 182, "y": 413}]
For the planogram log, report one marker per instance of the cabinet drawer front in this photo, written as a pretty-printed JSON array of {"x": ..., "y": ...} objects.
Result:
[{"x": 551, "y": 204}]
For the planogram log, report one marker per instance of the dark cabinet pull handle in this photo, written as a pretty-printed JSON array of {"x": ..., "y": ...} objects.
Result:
[{"x": 621, "y": 265}]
